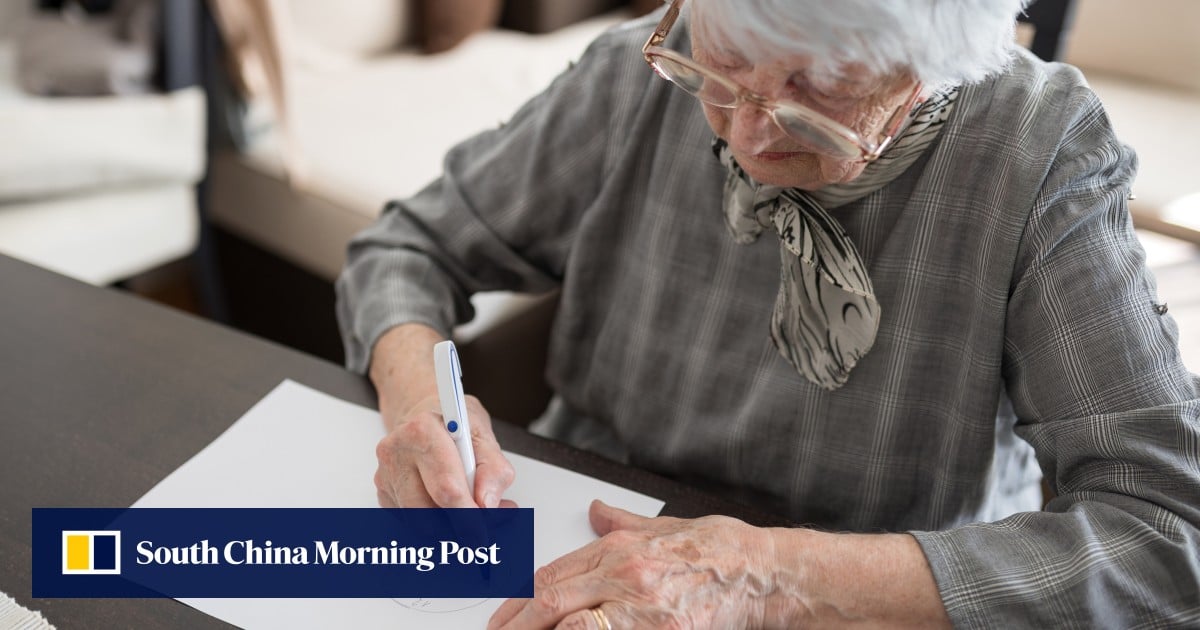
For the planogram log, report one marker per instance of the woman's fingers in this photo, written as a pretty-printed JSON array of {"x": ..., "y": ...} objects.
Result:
[
  {"x": 606, "y": 518},
  {"x": 602, "y": 617},
  {"x": 650, "y": 573},
  {"x": 419, "y": 465},
  {"x": 493, "y": 472},
  {"x": 554, "y": 602},
  {"x": 575, "y": 563}
]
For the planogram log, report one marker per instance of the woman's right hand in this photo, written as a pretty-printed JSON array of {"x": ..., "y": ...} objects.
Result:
[{"x": 419, "y": 464}]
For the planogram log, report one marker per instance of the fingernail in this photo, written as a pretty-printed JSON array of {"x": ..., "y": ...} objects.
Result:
[{"x": 489, "y": 499}]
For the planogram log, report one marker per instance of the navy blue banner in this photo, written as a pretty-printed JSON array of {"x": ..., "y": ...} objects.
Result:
[{"x": 428, "y": 553}]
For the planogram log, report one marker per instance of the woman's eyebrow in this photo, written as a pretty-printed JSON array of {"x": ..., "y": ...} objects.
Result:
[
  {"x": 724, "y": 51},
  {"x": 844, "y": 83}
]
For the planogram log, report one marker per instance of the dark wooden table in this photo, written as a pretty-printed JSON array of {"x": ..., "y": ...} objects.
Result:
[{"x": 103, "y": 394}]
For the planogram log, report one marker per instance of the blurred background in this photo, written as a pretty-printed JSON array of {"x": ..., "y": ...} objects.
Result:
[{"x": 217, "y": 156}]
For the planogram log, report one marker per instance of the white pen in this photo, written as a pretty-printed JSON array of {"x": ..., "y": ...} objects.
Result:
[{"x": 454, "y": 406}]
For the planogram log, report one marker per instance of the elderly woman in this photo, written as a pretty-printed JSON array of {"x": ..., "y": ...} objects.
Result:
[{"x": 860, "y": 263}]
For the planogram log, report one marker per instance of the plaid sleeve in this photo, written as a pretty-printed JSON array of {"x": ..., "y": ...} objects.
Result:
[
  {"x": 501, "y": 217},
  {"x": 1094, "y": 374}
]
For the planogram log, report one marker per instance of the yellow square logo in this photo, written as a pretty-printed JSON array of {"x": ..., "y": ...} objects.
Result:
[{"x": 91, "y": 552}]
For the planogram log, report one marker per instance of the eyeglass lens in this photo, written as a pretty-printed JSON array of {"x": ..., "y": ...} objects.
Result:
[{"x": 797, "y": 123}]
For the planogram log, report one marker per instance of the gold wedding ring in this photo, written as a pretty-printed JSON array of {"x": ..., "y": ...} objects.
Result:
[{"x": 601, "y": 618}]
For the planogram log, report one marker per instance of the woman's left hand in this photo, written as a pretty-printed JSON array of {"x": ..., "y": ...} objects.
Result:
[{"x": 710, "y": 572}]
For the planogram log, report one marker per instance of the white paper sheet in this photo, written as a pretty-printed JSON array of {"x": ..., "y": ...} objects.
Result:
[{"x": 301, "y": 448}]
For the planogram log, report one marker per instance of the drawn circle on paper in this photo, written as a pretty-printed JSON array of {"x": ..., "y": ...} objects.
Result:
[{"x": 440, "y": 605}]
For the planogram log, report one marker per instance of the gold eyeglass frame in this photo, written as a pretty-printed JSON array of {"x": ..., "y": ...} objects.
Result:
[{"x": 868, "y": 151}]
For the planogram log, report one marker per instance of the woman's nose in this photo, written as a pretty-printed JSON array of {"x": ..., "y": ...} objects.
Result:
[{"x": 751, "y": 129}]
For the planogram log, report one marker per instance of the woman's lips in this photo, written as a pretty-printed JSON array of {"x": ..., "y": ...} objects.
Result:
[{"x": 775, "y": 156}]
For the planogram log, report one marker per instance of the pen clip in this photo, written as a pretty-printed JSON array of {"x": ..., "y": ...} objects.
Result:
[{"x": 449, "y": 381}]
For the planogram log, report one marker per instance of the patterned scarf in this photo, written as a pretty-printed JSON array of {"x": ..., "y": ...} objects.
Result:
[{"x": 826, "y": 315}]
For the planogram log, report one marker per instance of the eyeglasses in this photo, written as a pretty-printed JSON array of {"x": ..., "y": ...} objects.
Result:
[{"x": 801, "y": 123}]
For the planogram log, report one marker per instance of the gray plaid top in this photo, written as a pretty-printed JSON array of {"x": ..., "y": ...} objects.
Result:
[{"x": 1009, "y": 279}]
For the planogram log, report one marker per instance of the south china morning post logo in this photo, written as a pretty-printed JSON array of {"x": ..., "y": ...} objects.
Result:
[
  {"x": 91, "y": 552},
  {"x": 376, "y": 552},
  {"x": 252, "y": 552}
]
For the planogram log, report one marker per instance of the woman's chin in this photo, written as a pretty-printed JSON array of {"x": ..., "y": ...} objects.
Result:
[
  {"x": 797, "y": 170},
  {"x": 794, "y": 170}
]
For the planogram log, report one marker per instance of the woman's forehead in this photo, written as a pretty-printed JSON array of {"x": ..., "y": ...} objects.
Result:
[{"x": 729, "y": 52}]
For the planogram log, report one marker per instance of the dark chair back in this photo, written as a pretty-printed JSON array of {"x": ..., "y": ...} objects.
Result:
[{"x": 1051, "y": 19}]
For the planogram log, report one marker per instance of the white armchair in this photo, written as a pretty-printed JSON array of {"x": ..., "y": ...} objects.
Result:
[{"x": 98, "y": 188}]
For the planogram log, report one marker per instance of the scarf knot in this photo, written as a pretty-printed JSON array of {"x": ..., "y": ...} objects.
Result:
[{"x": 826, "y": 315}]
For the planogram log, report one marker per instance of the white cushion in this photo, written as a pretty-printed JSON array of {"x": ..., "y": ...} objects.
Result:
[
  {"x": 379, "y": 130},
  {"x": 66, "y": 145},
  {"x": 103, "y": 237}
]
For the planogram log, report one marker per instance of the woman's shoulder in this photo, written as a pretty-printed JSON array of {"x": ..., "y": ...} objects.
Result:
[
  {"x": 1031, "y": 116},
  {"x": 1050, "y": 84}
]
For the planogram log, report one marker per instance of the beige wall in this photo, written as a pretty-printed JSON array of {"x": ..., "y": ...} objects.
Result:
[
  {"x": 1152, "y": 40},
  {"x": 12, "y": 12}
]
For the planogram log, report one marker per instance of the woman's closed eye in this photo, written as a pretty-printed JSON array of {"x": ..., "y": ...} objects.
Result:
[
  {"x": 726, "y": 66},
  {"x": 803, "y": 91},
  {"x": 834, "y": 99},
  {"x": 837, "y": 89}
]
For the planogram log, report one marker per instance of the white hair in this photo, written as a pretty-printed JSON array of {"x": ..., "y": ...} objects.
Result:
[{"x": 941, "y": 42}]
